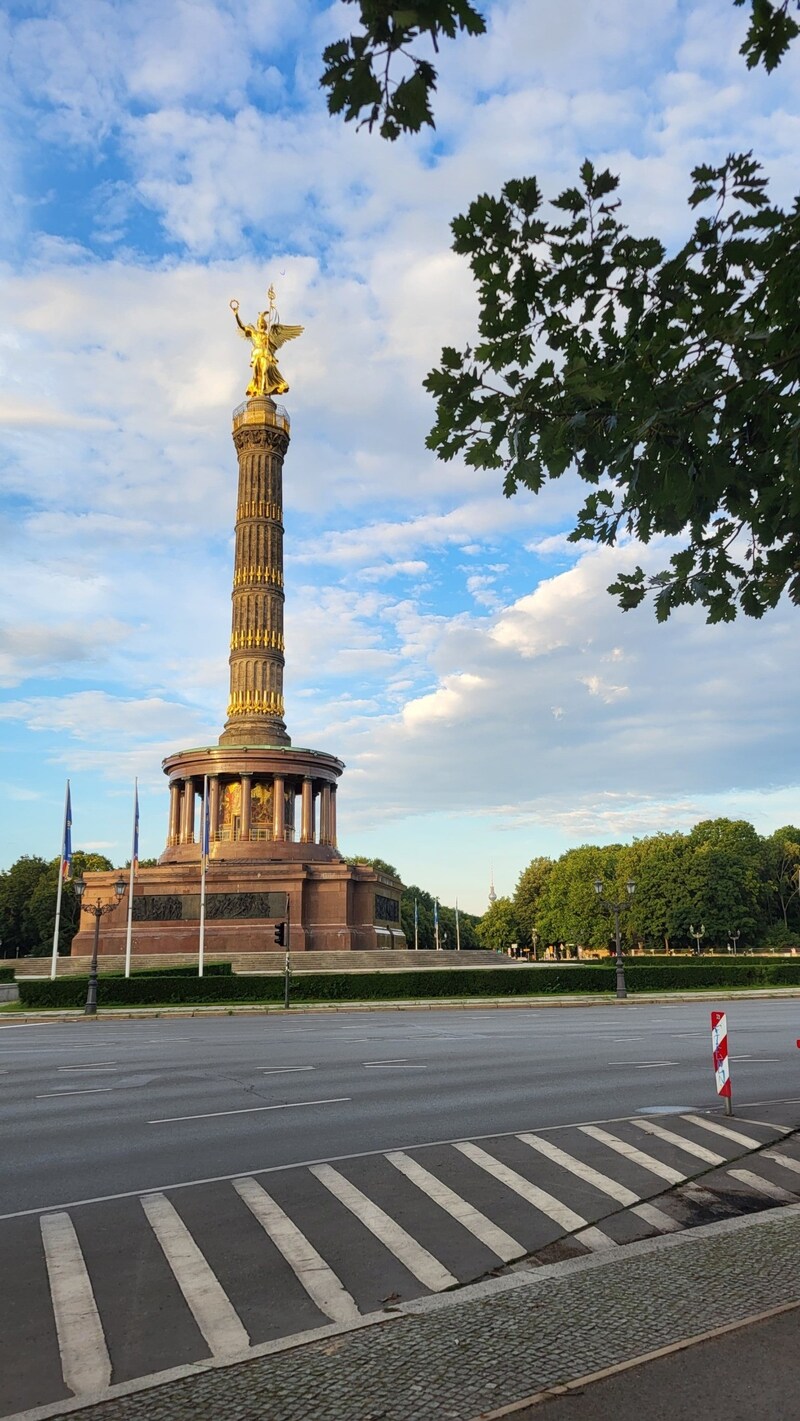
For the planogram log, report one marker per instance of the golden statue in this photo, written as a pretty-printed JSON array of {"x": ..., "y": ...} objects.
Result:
[{"x": 267, "y": 336}]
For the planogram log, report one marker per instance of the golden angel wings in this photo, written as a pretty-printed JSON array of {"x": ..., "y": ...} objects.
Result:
[{"x": 266, "y": 337}]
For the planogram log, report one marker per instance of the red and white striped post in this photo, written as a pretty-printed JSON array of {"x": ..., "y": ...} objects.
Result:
[{"x": 722, "y": 1070}]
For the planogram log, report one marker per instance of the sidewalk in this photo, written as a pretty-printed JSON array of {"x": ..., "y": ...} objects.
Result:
[{"x": 490, "y": 1349}]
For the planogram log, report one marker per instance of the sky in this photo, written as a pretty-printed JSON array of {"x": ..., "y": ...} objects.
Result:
[{"x": 488, "y": 697}]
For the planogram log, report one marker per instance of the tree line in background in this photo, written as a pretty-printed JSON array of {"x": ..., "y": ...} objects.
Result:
[{"x": 722, "y": 876}]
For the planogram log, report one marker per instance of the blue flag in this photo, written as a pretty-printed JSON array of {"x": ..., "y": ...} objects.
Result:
[
  {"x": 436, "y": 912},
  {"x": 66, "y": 843},
  {"x": 135, "y": 857},
  {"x": 206, "y": 837}
]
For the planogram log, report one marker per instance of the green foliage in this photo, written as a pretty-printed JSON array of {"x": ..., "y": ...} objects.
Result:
[
  {"x": 360, "y": 71},
  {"x": 527, "y": 897},
  {"x": 6, "y": 974},
  {"x": 18, "y": 928},
  {"x": 669, "y": 384},
  {"x": 499, "y": 926},
  {"x": 380, "y": 865},
  {"x": 772, "y": 29},
  {"x": 722, "y": 875},
  {"x": 467, "y": 922}
]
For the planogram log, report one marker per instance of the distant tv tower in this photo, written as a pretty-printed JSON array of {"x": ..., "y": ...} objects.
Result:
[{"x": 492, "y": 894}]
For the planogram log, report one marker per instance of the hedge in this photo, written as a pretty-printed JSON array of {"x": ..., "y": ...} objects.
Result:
[
  {"x": 210, "y": 969},
  {"x": 6, "y": 974},
  {"x": 388, "y": 986}
]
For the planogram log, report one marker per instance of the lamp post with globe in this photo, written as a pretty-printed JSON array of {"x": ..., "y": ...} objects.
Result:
[
  {"x": 616, "y": 909},
  {"x": 97, "y": 910}
]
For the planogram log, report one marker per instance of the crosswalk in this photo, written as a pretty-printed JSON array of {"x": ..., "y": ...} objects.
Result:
[{"x": 108, "y": 1292}]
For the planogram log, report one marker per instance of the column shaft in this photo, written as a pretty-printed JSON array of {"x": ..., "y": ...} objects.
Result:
[
  {"x": 278, "y": 809},
  {"x": 244, "y": 827},
  {"x": 332, "y": 825},
  {"x": 325, "y": 815},
  {"x": 307, "y": 812},
  {"x": 188, "y": 791},
  {"x": 173, "y": 834}
]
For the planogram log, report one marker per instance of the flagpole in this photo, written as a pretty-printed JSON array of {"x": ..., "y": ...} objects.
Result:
[
  {"x": 203, "y": 857},
  {"x": 436, "y": 922},
  {"x": 66, "y": 853},
  {"x": 416, "y": 926},
  {"x": 134, "y": 860},
  {"x": 458, "y": 933}
]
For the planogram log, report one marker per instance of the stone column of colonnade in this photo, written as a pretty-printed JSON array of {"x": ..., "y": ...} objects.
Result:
[
  {"x": 315, "y": 827},
  {"x": 255, "y": 708}
]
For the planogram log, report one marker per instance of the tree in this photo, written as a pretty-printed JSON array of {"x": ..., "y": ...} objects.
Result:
[
  {"x": 660, "y": 908},
  {"x": 670, "y": 384},
  {"x": 43, "y": 901},
  {"x": 527, "y": 895},
  {"x": 569, "y": 909},
  {"x": 723, "y": 881},
  {"x": 18, "y": 930},
  {"x": 498, "y": 928},
  {"x": 361, "y": 85},
  {"x": 782, "y": 873}
]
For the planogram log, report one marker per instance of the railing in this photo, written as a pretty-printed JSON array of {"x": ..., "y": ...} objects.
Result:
[{"x": 261, "y": 410}]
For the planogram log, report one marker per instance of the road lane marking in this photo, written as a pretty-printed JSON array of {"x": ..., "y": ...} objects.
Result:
[
  {"x": 763, "y": 1186},
  {"x": 85, "y": 1363},
  {"x": 758, "y": 1060},
  {"x": 388, "y": 1061},
  {"x": 207, "y": 1300},
  {"x": 282, "y": 1070},
  {"x": 392, "y": 1066},
  {"x": 249, "y": 1110},
  {"x": 784, "y": 1160},
  {"x": 102, "y": 1069},
  {"x": 680, "y": 1142},
  {"x": 561, "y": 1214},
  {"x": 88, "y": 1090},
  {"x": 88, "y": 1066},
  {"x": 501, "y": 1244},
  {"x": 427, "y": 1269},
  {"x": 630, "y": 1152},
  {"x": 320, "y": 1282},
  {"x": 648, "y": 1065},
  {"x": 711, "y": 1125}
]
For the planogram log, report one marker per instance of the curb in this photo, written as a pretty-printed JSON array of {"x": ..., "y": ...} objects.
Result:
[{"x": 438, "y": 1004}]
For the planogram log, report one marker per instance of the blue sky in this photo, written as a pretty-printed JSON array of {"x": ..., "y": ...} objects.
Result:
[{"x": 489, "y": 699}]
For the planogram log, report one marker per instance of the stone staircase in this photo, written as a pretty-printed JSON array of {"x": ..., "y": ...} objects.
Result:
[{"x": 252, "y": 962}]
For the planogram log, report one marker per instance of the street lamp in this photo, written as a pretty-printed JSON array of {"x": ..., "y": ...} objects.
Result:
[
  {"x": 616, "y": 909},
  {"x": 734, "y": 937},
  {"x": 534, "y": 942},
  {"x": 698, "y": 934},
  {"x": 97, "y": 910}
]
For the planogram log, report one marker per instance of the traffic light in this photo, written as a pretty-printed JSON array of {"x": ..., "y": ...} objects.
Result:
[{"x": 280, "y": 934}]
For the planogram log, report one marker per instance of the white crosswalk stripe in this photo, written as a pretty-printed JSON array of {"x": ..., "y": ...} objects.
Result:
[
  {"x": 560, "y": 1213},
  {"x": 85, "y": 1363},
  {"x": 630, "y": 1152},
  {"x": 749, "y": 1141},
  {"x": 784, "y": 1160},
  {"x": 620, "y": 1192},
  {"x": 501, "y": 1244},
  {"x": 319, "y": 1281},
  {"x": 210, "y": 1305},
  {"x": 763, "y": 1186},
  {"x": 427, "y": 1269},
  {"x": 680, "y": 1142}
]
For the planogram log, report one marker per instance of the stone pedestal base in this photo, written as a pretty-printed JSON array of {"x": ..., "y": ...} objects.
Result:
[{"x": 333, "y": 907}]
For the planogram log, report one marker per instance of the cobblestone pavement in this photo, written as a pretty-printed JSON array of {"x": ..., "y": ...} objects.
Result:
[{"x": 462, "y": 1355}]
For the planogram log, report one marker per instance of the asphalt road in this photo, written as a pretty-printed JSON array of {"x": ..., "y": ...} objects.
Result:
[
  {"x": 174, "y": 1189},
  {"x": 98, "y": 1108}
]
